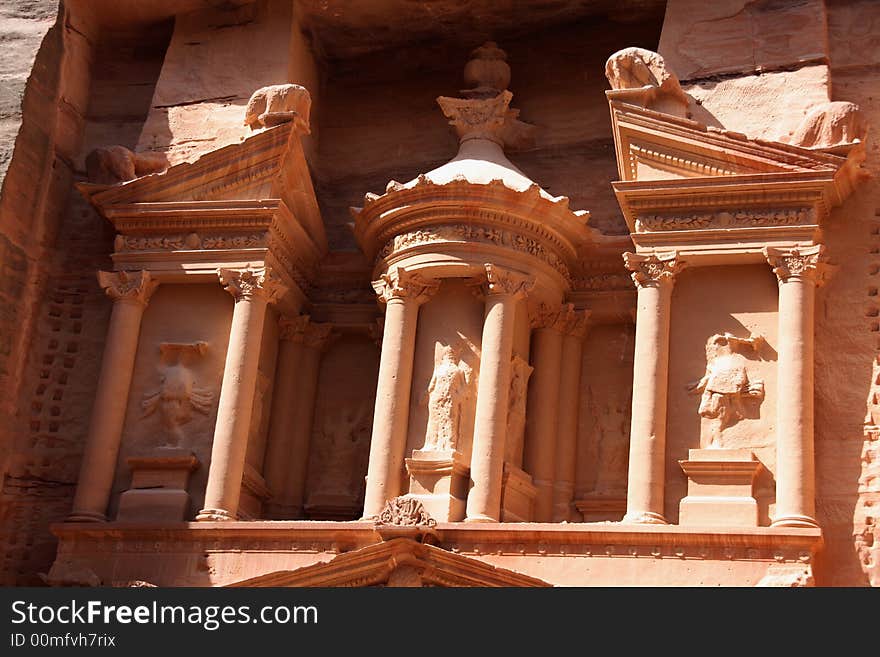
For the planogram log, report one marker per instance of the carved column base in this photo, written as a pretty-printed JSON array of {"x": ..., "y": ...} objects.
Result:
[
  {"x": 85, "y": 516},
  {"x": 214, "y": 515},
  {"x": 158, "y": 490},
  {"x": 518, "y": 495},
  {"x": 602, "y": 508},
  {"x": 794, "y": 521},
  {"x": 439, "y": 480},
  {"x": 720, "y": 488},
  {"x": 645, "y": 518}
]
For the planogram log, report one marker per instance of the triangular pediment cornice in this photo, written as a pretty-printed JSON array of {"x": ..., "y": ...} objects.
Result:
[
  {"x": 651, "y": 145},
  {"x": 702, "y": 191},
  {"x": 376, "y": 565}
]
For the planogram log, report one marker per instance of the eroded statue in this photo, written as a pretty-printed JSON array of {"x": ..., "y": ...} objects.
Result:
[
  {"x": 342, "y": 444},
  {"x": 637, "y": 68},
  {"x": 830, "y": 125},
  {"x": 520, "y": 371},
  {"x": 726, "y": 385},
  {"x": 178, "y": 396},
  {"x": 447, "y": 393},
  {"x": 110, "y": 165},
  {"x": 276, "y": 104}
]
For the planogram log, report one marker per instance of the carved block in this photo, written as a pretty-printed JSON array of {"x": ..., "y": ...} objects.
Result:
[
  {"x": 720, "y": 488},
  {"x": 439, "y": 480},
  {"x": 517, "y": 495},
  {"x": 158, "y": 490}
]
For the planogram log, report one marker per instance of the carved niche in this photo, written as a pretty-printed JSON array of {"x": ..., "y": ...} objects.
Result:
[
  {"x": 178, "y": 395},
  {"x": 450, "y": 389},
  {"x": 726, "y": 387},
  {"x": 342, "y": 444}
]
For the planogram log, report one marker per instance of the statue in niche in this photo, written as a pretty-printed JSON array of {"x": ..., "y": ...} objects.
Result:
[
  {"x": 520, "y": 371},
  {"x": 613, "y": 455},
  {"x": 447, "y": 392},
  {"x": 342, "y": 444},
  {"x": 726, "y": 385},
  {"x": 178, "y": 395}
]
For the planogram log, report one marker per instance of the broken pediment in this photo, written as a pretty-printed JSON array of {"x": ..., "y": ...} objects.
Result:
[
  {"x": 401, "y": 562},
  {"x": 705, "y": 191}
]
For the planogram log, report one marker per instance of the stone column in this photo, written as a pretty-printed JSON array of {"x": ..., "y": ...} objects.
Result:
[
  {"x": 315, "y": 338},
  {"x": 542, "y": 413},
  {"x": 654, "y": 277},
  {"x": 799, "y": 271},
  {"x": 402, "y": 293},
  {"x": 279, "y": 451},
  {"x": 502, "y": 289},
  {"x": 130, "y": 291},
  {"x": 575, "y": 328},
  {"x": 252, "y": 290}
]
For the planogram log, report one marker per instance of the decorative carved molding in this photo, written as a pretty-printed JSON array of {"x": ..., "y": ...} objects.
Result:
[
  {"x": 190, "y": 242},
  {"x": 405, "y": 511},
  {"x": 706, "y": 168},
  {"x": 401, "y": 284},
  {"x": 653, "y": 270},
  {"x": 128, "y": 286},
  {"x": 726, "y": 219},
  {"x": 244, "y": 284},
  {"x": 801, "y": 263},
  {"x": 474, "y": 233}
]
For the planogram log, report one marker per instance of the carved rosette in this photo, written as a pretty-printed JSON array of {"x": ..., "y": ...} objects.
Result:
[
  {"x": 245, "y": 284},
  {"x": 798, "y": 263},
  {"x": 402, "y": 285},
  {"x": 500, "y": 280},
  {"x": 405, "y": 511},
  {"x": 651, "y": 271},
  {"x": 135, "y": 287}
]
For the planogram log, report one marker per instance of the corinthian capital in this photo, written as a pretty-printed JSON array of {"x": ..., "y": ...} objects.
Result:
[
  {"x": 293, "y": 329},
  {"x": 654, "y": 269},
  {"x": 135, "y": 286},
  {"x": 401, "y": 284},
  {"x": 574, "y": 322},
  {"x": 805, "y": 263},
  {"x": 317, "y": 335},
  {"x": 245, "y": 284},
  {"x": 506, "y": 281}
]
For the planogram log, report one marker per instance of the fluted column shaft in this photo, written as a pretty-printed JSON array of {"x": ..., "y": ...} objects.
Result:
[
  {"x": 252, "y": 290},
  {"x": 503, "y": 289},
  {"x": 130, "y": 293},
  {"x": 567, "y": 429},
  {"x": 654, "y": 277},
  {"x": 402, "y": 294},
  {"x": 798, "y": 271}
]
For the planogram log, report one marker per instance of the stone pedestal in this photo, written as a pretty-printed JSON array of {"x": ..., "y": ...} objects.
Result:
[
  {"x": 439, "y": 480},
  {"x": 720, "y": 488},
  {"x": 158, "y": 487},
  {"x": 602, "y": 508},
  {"x": 518, "y": 495}
]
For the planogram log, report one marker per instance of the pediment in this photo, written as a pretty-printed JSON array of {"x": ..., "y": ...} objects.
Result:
[
  {"x": 397, "y": 562},
  {"x": 269, "y": 164},
  {"x": 652, "y": 145}
]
